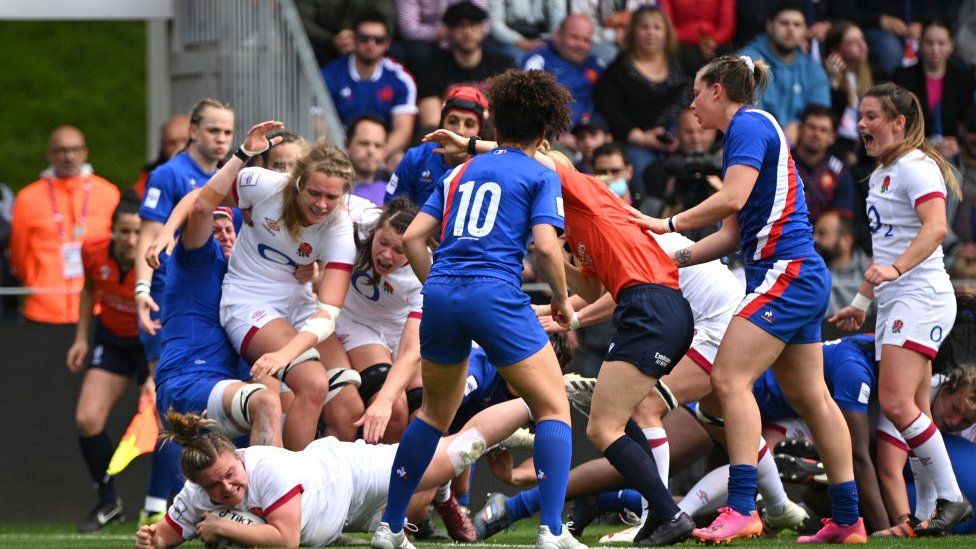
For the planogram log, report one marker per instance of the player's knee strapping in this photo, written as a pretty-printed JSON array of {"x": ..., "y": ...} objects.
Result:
[
  {"x": 239, "y": 403},
  {"x": 341, "y": 377},
  {"x": 415, "y": 399},
  {"x": 666, "y": 395},
  {"x": 310, "y": 354},
  {"x": 706, "y": 418},
  {"x": 372, "y": 380}
]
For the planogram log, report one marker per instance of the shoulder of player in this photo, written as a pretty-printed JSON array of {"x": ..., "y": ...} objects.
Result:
[{"x": 915, "y": 163}]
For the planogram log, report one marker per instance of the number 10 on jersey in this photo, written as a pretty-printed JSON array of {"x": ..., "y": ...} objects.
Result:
[{"x": 469, "y": 210}]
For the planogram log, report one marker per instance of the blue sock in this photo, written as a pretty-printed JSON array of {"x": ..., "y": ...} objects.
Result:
[
  {"x": 619, "y": 500},
  {"x": 639, "y": 470},
  {"x": 523, "y": 504},
  {"x": 165, "y": 477},
  {"x": 743, "y": 481},
  {"x": 553, "y": 451},
  {"x": 843, "y": 503},
  {"x": 416, "y": 450}
]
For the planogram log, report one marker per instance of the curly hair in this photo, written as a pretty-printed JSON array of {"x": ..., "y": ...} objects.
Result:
[
  {"x": 202, "y": 445},
  {"x": 323, "y": 158},
  {"x": 527, "y": 105},
  {"x": 397, "y": 215}
]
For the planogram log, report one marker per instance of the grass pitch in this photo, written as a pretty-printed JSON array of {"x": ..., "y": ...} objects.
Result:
[{"x": 522, "y": 535}]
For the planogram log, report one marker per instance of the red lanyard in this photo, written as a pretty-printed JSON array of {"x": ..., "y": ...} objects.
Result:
[{"x": 59, "y": 219}]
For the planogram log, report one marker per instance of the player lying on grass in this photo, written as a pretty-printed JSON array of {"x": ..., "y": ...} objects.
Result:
[{"x": 307, "y": 498}]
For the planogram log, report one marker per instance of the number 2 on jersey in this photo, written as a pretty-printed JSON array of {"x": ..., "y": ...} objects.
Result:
[
  {"x": 469, "y": 210},
  {"x": 876, "y": 224}
]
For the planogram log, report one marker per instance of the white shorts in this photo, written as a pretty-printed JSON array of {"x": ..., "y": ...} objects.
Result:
[
  {"x": 215, "y": 410},
  {"x": 371, "y": 465},
  {"x": 704, "y": 344},
  {"x": 243, "y": 312},
  {"x": 919, "y": 320},
  {"x": 791, "y": 428},
  {"x": 354, "y": 333}
]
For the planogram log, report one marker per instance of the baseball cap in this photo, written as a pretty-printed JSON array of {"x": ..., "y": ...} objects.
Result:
[{"x": 463, "y": 11}]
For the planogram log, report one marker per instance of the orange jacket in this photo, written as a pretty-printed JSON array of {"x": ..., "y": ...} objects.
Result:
[{"x": 36, "y": 242}]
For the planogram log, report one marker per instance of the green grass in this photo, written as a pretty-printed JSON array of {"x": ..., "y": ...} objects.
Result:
[
  {"x": 87, "y": 74},
  {"x": 45, "y": 536}
]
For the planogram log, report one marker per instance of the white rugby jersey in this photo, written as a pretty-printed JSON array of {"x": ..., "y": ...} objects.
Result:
[
  {"x": 894, "y": 192},
  {"x": 275, "y": 475},
  {"x": 394, "y": 298},
  {"x": 710, "y": 288},
  {"x": 265, "y": 252}
]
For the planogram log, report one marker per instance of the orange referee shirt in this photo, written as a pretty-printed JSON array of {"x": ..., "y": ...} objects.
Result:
[
  {"x": 48, "y": 215},
  {"x": 608, "y": 245},
  {"x": 114, "y": 288}
]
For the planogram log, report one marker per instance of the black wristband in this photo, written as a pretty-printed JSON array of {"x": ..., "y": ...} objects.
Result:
[
  {"x": 239, "y": 153},
  {"x": 671, "y": 224},
  {"x": 472, "y": 141}
]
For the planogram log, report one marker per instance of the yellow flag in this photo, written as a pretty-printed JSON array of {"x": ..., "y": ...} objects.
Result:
[{"x": 140, "y": 436}]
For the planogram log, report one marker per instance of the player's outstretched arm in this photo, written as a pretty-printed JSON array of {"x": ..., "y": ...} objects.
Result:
[
  {"x": 157, "y": 536},
  {"x": 404, "y": 369},
  {"x": 283, "y": 528},
  {"x": 549, "y": 250},
  {"x": 415, "y": 240},
  {"x": 735, "y": 191},
  {"x": 587, "y": 288},
  {"x": 714, "y": 246}
]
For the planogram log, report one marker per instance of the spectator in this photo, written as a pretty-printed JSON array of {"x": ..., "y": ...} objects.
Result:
[
  {"x": 366, "y": 147},
  {"x": 643, "y": 90},
  {"x": 422, "y": 28},
  {"x": 834, "y": 239},
  {"x": 467, "y": 62},
  {"x": 827, "y": 183},
  {"x": 943, "y": 85},
  {"x": 568, "y": 58},
  {"x": 964, "y": 223},
  {"x": 687, "y": 176},
  {"x": 610, "y": 162},
  {"x": 8, "y": 304},
  {"x": 966, "y": 32},
  {"x": 284, "y": 156},
  {"x": 366, "y": 81},
  {"x": 520, "y": 26},
  {"x": 173, "y": 137},
  {"x": 590, "y": 133},
  {"x": 51, "y": 217},
  {"x": 705, "y": 29},
  {"x": 464, "y": 112},
  {"x": 798, "y": 80},
  {"x": 329, "y": 24},
  {"x": 849, "y": 74}
]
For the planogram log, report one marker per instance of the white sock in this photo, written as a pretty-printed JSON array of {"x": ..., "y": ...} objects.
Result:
[
  {"x": 443, "y": 492},
  {"x": 770, "y": 485},
  {"x": 154, "y": 505},
  {"x": 708, "y": 494},
  {"x": 924, "y": 489},
  {"x": 657, "y": 439},
  {"x": 926, "y": 441}
]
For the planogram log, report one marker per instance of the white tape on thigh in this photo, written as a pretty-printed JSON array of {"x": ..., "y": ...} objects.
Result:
[
  {"x": 339, "y": 378},
  {"x": 238, "y": 404},
  {"x": 310, "y": 354},
  {"x": 464, "y": 450}
]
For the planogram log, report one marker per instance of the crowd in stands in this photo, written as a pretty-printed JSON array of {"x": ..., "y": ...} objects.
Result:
[{"x": 397, "y": 70}]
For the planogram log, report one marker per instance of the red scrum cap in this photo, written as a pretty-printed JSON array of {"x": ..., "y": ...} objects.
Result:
[{"x": 469, "y": 99}]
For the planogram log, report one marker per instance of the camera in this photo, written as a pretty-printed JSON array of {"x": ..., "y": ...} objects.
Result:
[{"x": 690, "y": 174}]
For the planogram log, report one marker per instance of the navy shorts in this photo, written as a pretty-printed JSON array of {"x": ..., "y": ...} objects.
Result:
[
  {"x": 654, "y": 328},
  {"x": 496, "y": 314},
  {"x": 123, "y": 356}
]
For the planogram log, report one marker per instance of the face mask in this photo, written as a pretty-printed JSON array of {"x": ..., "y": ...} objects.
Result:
[{"x": 618, "y": 186}]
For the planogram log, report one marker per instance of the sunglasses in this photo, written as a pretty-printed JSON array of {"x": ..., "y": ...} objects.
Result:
[{"x": 378, "y": 38}]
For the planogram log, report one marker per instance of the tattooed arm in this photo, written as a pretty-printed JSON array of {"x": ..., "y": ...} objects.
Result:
[{"x": 713, "y": 246}]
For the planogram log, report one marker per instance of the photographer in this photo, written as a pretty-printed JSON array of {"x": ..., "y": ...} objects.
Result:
[{"x": 687, "y": 176}]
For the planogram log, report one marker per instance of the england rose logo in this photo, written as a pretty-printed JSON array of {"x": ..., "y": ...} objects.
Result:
[{"x": 304, "y": 249}]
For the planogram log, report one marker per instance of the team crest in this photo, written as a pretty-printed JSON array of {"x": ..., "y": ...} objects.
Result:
[
  {"x": 271, "y": 225},
  {"x": 886, "y": 183},
  {"x": 426, "y": 177},
  {"x": 386, "y": 94},
  {"x": 304, "y": 249},
  {"x": 193, "y": 183},
  {"x": 827, "y": 181},
  {"x": 897, "y": 326},
  {"x": 387, "y": 287},
  {"x": 402, "y": 472},
  {"x": 768, "y": 316}
]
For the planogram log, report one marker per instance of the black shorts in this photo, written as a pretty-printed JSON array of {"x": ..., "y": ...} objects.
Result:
[
  {"x": 654, "y": 328},
  {"x": 123, "y": 356}
]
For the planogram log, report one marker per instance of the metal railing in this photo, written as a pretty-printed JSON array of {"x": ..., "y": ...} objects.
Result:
[{"x": 255, "y": 55}]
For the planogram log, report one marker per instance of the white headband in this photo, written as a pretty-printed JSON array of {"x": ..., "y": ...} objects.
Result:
[{"x": 748, "y": 61}]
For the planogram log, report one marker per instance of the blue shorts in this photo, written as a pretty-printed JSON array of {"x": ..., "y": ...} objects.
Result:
[
  {"x": 787, "y": 298},
  {"x": 654, "y": 326},
  {"x": 152, "y": 344},
  {"x": 186, "y": 393},
  {"x": 494, "y": 313}
]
